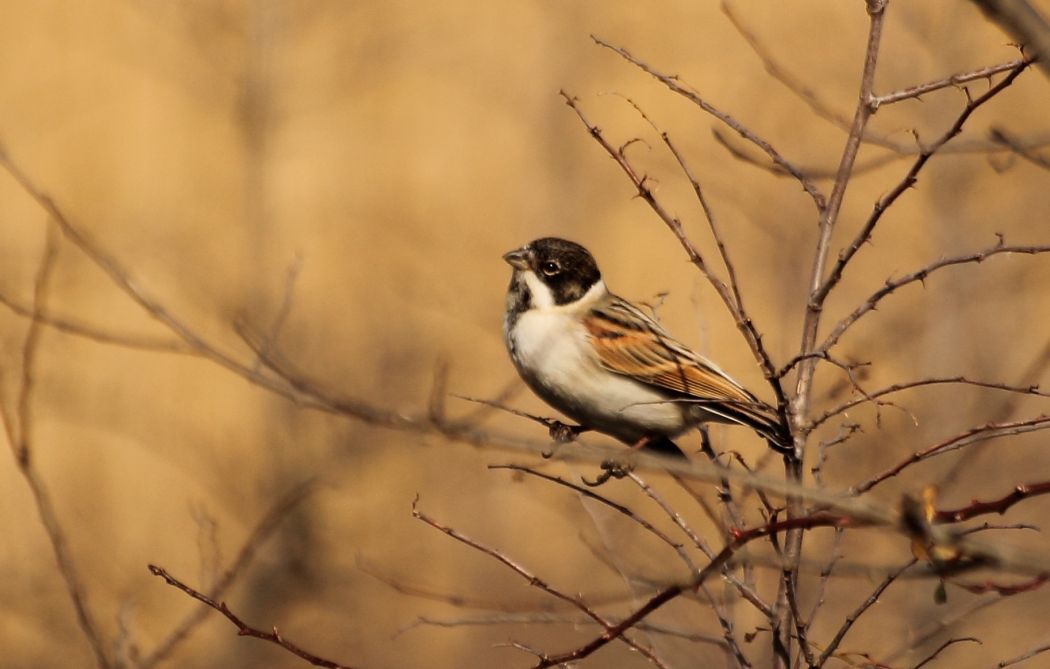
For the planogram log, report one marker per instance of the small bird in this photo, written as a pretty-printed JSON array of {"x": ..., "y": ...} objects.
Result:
[{"x": 606, "y": 364}]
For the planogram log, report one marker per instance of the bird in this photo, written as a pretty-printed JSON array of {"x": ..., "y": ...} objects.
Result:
[{"x": 606, "y": 364}]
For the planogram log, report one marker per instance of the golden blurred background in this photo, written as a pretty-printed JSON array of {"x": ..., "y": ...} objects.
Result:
[{"x": 384, "y": 155}]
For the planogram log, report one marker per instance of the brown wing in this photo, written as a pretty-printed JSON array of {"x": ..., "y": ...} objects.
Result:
[{"x": 631, "y": 343}]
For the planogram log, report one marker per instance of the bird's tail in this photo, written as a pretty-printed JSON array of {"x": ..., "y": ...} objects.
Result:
[{"x": 760, "y": 417}]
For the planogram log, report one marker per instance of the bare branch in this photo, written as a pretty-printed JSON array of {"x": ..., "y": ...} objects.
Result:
[
  {"x": 852, "y": 618},
  {"x": 1021, "y": 492},
  {"x": 534, "y": 580},
  {"x": 673, "y": 83},
  {"x": 909, "y": 180},
  {"x": 1000, "y": 136},
  {"x": 68, "y": 326},
  {"x": 922, "y": 383},
  {"x": 262, "y": 531},
  {"x": 950, "y": 642},
  {"x": 20, "y": 437},
  {"x": 551, "y": 619},
  {"x": 971, "y": 436},
  {"x": 1019, "y": 19},
  {"x": 619, "y": 508},
  {"x": 243, "y": 629},
  {"x": 1027, "y": 655},
  {"x": 641, "y": 183},
  {"x": 951, "y": 80},
  {"x": 920, "y": 276}
]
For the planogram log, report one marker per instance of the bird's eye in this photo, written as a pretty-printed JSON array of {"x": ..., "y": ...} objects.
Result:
[{"x": 550, "y": 268}]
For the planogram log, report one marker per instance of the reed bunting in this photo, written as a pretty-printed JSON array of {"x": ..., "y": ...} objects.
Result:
[{"x": 606, "y": 364}]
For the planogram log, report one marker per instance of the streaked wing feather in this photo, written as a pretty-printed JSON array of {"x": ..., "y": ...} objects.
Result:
[{"x": 629, "y": 342}]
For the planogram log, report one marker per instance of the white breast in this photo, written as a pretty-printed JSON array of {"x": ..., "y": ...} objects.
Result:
[{"x": 552, "y": 353}]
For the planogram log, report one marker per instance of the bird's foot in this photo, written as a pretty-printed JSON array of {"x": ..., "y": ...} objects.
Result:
[
  {"x": 611, "y": 469},
  {"x": 562, "y": 433}
]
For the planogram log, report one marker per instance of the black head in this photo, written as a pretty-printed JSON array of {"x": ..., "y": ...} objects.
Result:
[{"x": 567, "y": 269}]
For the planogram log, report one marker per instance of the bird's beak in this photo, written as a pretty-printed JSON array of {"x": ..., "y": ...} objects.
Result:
[{"x": 518, "y": 259}]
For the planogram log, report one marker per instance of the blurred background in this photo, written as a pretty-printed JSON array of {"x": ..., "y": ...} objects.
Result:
[{"x": 384, "y": 155}]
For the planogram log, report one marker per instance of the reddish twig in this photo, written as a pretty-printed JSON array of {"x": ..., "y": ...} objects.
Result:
[
  {"x": 976, "y": 508},
  {"x": 1004, "y": 590},
  {"x": 243, "y": 629},
  {"x": 265, "y": 527},
  {"x": 740, "y": 539}
]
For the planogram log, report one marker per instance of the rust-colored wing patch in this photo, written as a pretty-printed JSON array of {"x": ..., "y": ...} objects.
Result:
[{"x": 642, "y": 350}]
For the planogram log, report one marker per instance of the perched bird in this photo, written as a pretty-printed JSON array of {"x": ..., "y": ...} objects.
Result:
[{"x": 606, "y": 364}]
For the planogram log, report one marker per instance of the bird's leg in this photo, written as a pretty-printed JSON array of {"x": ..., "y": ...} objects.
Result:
[
  {"x": 611, "y": 469},
  {"x": 641, "y": 443}
]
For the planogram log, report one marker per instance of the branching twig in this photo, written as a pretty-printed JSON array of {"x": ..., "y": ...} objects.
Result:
[
  {"x": 920, "y": 383},
  {"x": 675, "y": 85},
  {"x": 909, "y": 180},
  {"x": 266, "y": 526},
  {"x": 243, "y": 629},
  {"x": 833, "y": 645},
  {"x": 18, "y": 426},
  {"x": 919, "y": 276},
  {"x": 534, "y": 581},
  {"x": 976, "y": 508},
  {"x": 971, "y": 436},
  {"x": 729, "y": 295}
]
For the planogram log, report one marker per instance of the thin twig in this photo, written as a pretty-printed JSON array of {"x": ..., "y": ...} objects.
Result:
[
  {"x": 674, "y": 84},
  {"x": 914, "y": 92},
  {"x": 976, "y": 508},
  {"x": 971, "y": 436},
  {"x": 1027, "y": 655},
  {"x": 18, "y": 426},
  {"x": 534, "y": 581},
  {"x": 591, "y": 494},
  {"x": 909, "y": 180},
  {"x": 642, "y": 184},
  {"x": 262, "y": 531},
  {"x": 919, "y": 276},
  {"x": 921, "y": 383},
  {"x": 243, "y": 629},
  {"x": 852, "y": 618},
  {"x": 950, "y": 642},
  {"x": 553, "y": 619}
]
